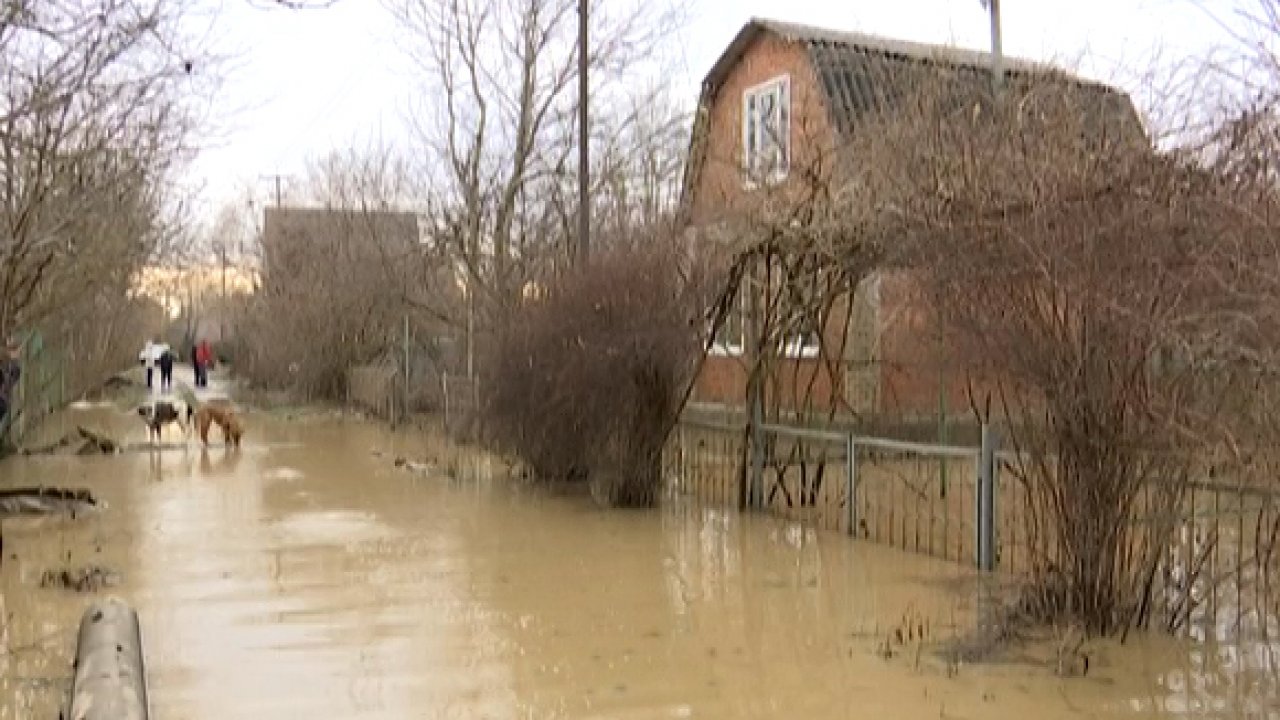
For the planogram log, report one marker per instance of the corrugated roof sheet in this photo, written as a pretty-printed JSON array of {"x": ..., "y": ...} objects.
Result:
[
  {"x": 838, "y": 41},
  {"x": 861, "y": 73}
]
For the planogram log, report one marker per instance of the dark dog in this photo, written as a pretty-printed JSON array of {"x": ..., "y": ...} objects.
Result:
[
  {"x": 224, "y": 417},
  {"x": 159, "y": 413}
]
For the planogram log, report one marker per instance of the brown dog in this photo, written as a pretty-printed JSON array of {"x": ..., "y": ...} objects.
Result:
[{"x": 225, "y": 417}]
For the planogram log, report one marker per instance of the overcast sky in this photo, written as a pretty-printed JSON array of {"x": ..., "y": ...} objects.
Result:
[{"x": 301, "y": 84}]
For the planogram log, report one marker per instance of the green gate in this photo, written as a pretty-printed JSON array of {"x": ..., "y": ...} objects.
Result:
[{"x": 41, "y": 389}]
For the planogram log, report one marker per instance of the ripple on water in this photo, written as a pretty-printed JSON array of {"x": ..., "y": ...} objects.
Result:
[
  {"x": 335, "y": 527},
  {"x": 283, "y": 474},
  {"x": 92, "y": 405}
]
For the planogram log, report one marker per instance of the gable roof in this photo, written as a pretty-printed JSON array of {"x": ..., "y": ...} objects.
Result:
[
  {"x": 827, "y": 45},
  {"x": 861, "y": 73}
]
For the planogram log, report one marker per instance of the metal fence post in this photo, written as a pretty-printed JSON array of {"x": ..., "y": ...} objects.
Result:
[
  {"x": 444, "y": 392},
  {"x": 407, "y": 388},
  {"x": 851, "y": 481},
  {"x": 755, "y": 483},
  {"x": 986, "y": 501}
]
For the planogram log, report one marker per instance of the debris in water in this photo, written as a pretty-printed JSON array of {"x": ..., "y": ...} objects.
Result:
[
  {"x": 116, "y": 382},
  {"x": 423, "y": 468},
  {"x": 86, "y": 579},
  {"x": 81, "y": 442},
  {"x": 45, "y": 501}
]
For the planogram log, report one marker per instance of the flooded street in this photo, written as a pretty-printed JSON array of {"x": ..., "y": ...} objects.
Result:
[{"x": 307, "y": 574}]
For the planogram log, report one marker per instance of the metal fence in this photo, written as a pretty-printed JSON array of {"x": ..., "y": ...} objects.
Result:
[
  {"x": 703, "y": 461},
  {"x": 459, "y": 398},
  {"x": 915, "y": 496},
  {"x": 1213, "y": 580},
  {"x": 377, "y": 389},
  {"x": 422, "y": 371},
  {"x": 1216, "y": 577}
]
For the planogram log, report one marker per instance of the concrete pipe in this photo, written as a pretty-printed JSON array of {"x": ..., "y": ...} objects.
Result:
[{"x": 110, "y": 679}]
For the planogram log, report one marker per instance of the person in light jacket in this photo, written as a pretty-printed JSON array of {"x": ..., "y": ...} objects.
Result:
[{"x": 148, "y": 358}]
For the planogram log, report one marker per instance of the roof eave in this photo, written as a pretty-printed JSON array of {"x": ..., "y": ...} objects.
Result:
[{"x": 731, "y": 55}]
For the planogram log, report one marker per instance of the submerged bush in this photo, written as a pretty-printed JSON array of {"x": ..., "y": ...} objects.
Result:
[{"x": 586, "y": 377}]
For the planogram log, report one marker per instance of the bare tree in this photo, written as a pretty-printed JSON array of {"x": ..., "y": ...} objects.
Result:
[
  {"x": 91, "y": 122},
  {"x": 1090, "y": 287},
  {"x": 94, "y": 122},
  {"x": 497, "y": 124}
]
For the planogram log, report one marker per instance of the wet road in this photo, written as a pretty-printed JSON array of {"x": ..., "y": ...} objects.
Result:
[{"x": 307, "y": 575}]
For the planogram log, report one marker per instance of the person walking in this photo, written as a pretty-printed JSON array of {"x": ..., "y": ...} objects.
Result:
[
  {"x": 10, "y": 373},
  {"x": 204, "y": 357},
  {"x": 166, "y": 370},
  {"x": 148, "y": 359},
  {"x": 195, "y": 362}
]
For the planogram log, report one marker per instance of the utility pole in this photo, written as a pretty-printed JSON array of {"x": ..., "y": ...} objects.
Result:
[
  {"x": 997, "y": 55},
  {"x": 584, "y": 141},
  {"x": 278, "y": 179},
  {"x": 222, "y": 311}
]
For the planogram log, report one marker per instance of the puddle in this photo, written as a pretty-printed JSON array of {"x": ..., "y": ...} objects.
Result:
[{"x": 304, "y": 575}]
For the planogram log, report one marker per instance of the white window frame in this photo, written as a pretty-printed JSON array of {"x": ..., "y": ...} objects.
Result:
[
  {"x": 805, "y": 346},
  {"x": 732, "y": 347},
  {"x": 757, "y": 141}
]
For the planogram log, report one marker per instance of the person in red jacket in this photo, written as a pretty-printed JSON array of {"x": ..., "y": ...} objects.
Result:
[{"x": 204, "y": 357}]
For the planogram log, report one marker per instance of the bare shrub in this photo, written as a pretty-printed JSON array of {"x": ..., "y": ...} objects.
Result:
[
  {"x": 1079, "y": 274},
  {"x": 95, "y": 118},
  {"x": 585, "y": 379}
]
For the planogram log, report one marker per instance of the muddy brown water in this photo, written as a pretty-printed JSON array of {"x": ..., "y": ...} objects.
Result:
[{"x": 307, "y": 576}]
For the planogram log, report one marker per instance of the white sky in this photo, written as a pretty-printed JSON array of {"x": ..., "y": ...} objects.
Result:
[{"x": 304, "y": 83}]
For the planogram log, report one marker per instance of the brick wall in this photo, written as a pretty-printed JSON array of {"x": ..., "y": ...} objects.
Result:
[
  {"x": 917, "y": 357},
  {"x": 892, "y": 358},
  {"x": 719, "y": 190}
]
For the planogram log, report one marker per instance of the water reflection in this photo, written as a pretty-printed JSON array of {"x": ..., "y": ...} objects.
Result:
[{"x": 305, "y": 573}]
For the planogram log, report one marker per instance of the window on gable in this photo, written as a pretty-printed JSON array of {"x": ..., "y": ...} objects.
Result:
[{"x": 766, "y": 131}]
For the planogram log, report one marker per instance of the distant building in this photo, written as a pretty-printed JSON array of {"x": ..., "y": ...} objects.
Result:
[{"x": 293, "y": 235}]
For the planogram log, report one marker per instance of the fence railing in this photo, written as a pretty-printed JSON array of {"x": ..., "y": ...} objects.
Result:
[
  {"x": 703, "y": 461},
  {"x": 458, "y": 400},
  {"x": 374, "y": 388},
  {"x": 1214, "y": 579},
  {"x": 916, "y": 496}
]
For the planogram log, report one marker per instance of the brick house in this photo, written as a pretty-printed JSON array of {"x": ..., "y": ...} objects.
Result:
[{"x": 775, "y": 107}]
